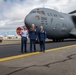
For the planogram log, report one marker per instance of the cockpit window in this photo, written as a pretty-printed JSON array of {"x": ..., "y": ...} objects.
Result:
[
  {"x": 33, "y": 11},
  {"x": 37, "y": 17},
  {"x": 41, "y": 12}
]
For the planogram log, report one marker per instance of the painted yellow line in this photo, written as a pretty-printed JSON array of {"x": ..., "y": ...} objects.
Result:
[
  {"x": 18, "y": 56},
  {"x": 60, "y": 48},
  {"x": 34, "y": 53}
]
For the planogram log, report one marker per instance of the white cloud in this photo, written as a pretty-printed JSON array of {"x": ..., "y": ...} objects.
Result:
[
  {"x": 13, "y": 12},
  {"x": 3, "y": 22},
  {"x": 1, "y": 2}
]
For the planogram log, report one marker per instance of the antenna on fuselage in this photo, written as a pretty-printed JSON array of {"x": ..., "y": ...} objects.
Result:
[{"x": 43, "y": 5}]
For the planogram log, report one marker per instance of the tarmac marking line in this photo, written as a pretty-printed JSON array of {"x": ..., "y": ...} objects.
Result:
[
  {"x": 34, "y": 53},
  {"x": 18, "y": 56},
  {"x": 60, "y": 48}
]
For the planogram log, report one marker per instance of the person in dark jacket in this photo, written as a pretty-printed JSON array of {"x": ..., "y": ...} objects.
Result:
[
  {"x": 33, "y": 37},
  {"x": 42, "y": 37}
]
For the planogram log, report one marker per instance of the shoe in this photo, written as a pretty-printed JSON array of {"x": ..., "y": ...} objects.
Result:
[
  {"x": 21, "y": 52},
  {"x": 30, "y": 51},
  {"x": 40, "y": 51},
  {"x": 43, "y": 50},
  {"x": 25, "y": 51},
  {"x": 34, "y": 50}
]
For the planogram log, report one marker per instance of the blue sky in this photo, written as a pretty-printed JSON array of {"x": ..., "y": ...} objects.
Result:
[{"x": 13, "y": 12}]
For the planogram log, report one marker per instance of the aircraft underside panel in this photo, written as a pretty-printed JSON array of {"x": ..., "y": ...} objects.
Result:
[{"x": 73, "y": 33}]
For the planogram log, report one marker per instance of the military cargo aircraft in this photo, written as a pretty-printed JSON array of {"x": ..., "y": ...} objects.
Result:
[{"x": 58, "y": 26}]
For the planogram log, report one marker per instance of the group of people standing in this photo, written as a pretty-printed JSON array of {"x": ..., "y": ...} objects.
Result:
[{"x": 33, "y": 34}]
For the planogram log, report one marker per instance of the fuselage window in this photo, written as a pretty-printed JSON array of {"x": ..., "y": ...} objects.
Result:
[
  {"x": 61, "y": 16},
  {"x": 33, "y": 11},
  {"x": 37, "y": 17},
  {"x": 41, "y": 12},
  {"x": 51, "y": 14},
  {"x": 48, "y": 14},
  {"x": 55, "y": 15},
  {"x": 38, "y": 12}
]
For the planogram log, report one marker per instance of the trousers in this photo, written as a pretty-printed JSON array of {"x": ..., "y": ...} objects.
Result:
[
  {"x": 23, "y": 44},
  {"x": 32, "y": 44},
  {"x": 42, "y": 45}
]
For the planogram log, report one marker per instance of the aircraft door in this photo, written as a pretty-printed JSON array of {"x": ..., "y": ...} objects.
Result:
[
  {"x": 51, "y": 20},
  {"x": 63, "y": 27}
]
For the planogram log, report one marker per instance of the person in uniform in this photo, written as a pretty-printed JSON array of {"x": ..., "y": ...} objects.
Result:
[
  {"x": 42, "y": 37},
  {"x": 33, "y": 37},
  {"x": 24, "y": 35}
]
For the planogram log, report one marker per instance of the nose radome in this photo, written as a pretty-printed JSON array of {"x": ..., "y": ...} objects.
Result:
[{"x": 28, "y": 20}]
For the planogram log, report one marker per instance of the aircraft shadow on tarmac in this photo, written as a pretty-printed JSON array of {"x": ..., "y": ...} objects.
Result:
[{"x": 69, "y": 40}]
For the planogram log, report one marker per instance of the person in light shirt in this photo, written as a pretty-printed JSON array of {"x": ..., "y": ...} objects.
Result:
[{"x": 24, "y": 36}]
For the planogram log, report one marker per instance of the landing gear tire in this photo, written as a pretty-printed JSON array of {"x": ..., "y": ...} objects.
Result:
[
  {"x": 53, "y": 40},
  {"x": 62, "y": 39},
  {"x": 58, "y": 40}
]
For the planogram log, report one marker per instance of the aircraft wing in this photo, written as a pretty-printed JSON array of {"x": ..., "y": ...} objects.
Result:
[
  {"x": 73, "y": 16},
  {"x": 72, "y": 12},
  {"x": 73, "y": 32}
]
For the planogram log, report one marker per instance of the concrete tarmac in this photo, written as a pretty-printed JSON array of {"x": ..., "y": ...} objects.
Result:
[
  {"x": 59, "y": 62},
  {"x": 14, "y": 49},
  {"x": 56, "y": 61}
]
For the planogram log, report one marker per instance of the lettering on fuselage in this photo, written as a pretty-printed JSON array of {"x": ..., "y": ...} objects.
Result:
[{"x": 44, "y": 21}]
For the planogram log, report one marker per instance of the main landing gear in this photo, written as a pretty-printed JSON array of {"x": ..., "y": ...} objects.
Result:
[{"x": 58, "y": 40}]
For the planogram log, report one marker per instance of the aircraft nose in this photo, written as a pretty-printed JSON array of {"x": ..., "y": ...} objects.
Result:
[{"x": 28, "y": 20}]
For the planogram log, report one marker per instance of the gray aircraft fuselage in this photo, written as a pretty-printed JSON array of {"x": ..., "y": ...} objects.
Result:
[{"x": 56, "y": 24}]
